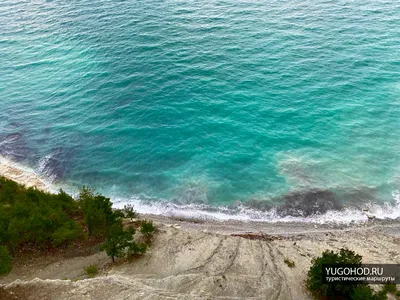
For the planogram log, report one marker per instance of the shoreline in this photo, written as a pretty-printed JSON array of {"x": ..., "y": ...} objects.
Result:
[
  {"x": 22, "y": 175},
  {"x": 194, "y": 258},
  {"x": 192, "y": 215}
]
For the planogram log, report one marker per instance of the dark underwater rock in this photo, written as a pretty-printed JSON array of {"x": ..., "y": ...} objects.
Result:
[{"x": 310, "y": 202}]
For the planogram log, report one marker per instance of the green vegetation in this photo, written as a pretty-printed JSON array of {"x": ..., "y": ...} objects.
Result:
[
  {"x": 5, "y": 261},
  {"x": 147, "y": 228},
  {"x": 117, "y": 241},
  {"x": 99, "y": 216},
  {"x": 129, "y": 212},
  {"x": 390, "y": 288},
  {"x": 120, "y": 243},
  {"x": 290, "y": 263},
  {"x": 337, "y": 290},
  {"x": 34, "y": 220},
  {"x": 364, "y": 292},
  {"x": 91, "y": 271}
]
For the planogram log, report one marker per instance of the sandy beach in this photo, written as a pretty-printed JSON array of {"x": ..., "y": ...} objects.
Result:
[
  {"x": 194, "y": 259},
  {"x": 21, "y": 175}
]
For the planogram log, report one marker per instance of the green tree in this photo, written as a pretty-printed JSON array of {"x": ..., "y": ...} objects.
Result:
[
  {"x": 69, "y": 232},
  {"x": 337, "y": 290},
  {"x": 98, "y": 212},
  {"x": 5, "y": 261},
  {"x": 364, "y": 292},
  {"x": 136, "y": 249},
  {"x": 33, "y": 219},
  {"x": 129, "y": 211},
  {"x": 147, "y": 228},
  {"x": 117, "y": 241}
]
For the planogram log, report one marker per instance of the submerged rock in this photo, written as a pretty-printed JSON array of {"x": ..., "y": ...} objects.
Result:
[
  {"x": 54, "y": 165},
  {"x": 306, "y": 203}
]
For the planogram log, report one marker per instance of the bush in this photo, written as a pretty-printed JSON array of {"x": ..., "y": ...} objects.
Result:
[
  {"x": 69, "y": 232},
  {"x": 364, "y": 292},
  {"x": 147, "y": 228},
  {"x": 290, "y": 263},
  {"x": 5, "y": 261},
  {"x": 390, "y": 288},
  {"x": 91, "y": 271},
  {"x": 136, "y": 249},
  {"x": 33, "y": 219},
  {"x": 129, "y": 211},
  {"x": 99, "y": 216},
  {"x": 117, "y": 241},
  {"x": 315, "y": 282},
  {"x": 30, "y": 218},
  {"x": 333, "y": 290}
]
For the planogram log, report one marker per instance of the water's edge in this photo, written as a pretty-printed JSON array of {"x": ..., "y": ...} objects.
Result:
[{"x": 341, "y": 215}]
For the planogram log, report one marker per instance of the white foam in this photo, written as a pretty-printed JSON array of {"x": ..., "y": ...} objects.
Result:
[
  {"x": 222, "y": 213},
  {"x": 242, "y": 213},
  {"x": 25, "y": 175}
]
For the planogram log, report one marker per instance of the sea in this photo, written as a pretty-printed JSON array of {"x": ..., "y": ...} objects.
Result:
[{"x": 216, "y": 109}]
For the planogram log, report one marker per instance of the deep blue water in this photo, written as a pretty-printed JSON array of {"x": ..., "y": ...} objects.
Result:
[{"x": 211, "y": 102}]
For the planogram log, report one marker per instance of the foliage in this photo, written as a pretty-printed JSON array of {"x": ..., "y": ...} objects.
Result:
[
  {"x": 99, "y": 216},
  {"x": 290, "y": 263},
  {"x": 364, "y": 292},
  {"x": 135, "y": 249},
  {"x": 5, "y": 261},
  {"x": 390, "y": 288},
  {"x": 129, "y": 211},
  {"x": 66, "y": 234},
  {"x": 337, "y": 290},
  {"x": 121, "y": 243},
  {"x": 315, "y": 275},
  {"x": 147, "y": 227},
  {"x": 35, "y": 218},
  {"x": 117, "y": 241},
  {"x": 91, "y": 271}
]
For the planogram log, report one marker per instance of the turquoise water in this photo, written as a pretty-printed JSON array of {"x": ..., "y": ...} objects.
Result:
[{"x": 206, "y": 102}]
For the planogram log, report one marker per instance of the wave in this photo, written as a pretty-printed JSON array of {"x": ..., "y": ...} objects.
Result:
[
  {"x": 298, "y": 206},
  {"x": 242, "y": 212}
]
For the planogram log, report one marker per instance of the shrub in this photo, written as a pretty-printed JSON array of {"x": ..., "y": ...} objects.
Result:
[
  {"x": 91, "y": 271},
  {"x": 315, "y": 282},
  {"x": 129, "y": 211},
  {"x": 135, "y": 249},
  {"x": 290, "y": 263},
  {"x": 32, "y": 219},
  {"x": 147, "y": 228},
  {"x": 337, "y": 290},
  {"x": 5, "y": 261},
  {"x": 117, "y": 241},
  {"x": 364, "y": 292},
  {"x": 69, "y": 232},
  {"x": 390, "y": 288},
  {"x": 99, "y": 215},
  {"x": 29, "y": 217}
]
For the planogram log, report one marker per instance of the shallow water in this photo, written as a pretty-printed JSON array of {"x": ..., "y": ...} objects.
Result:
[{"x": 213, "y": 103}]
